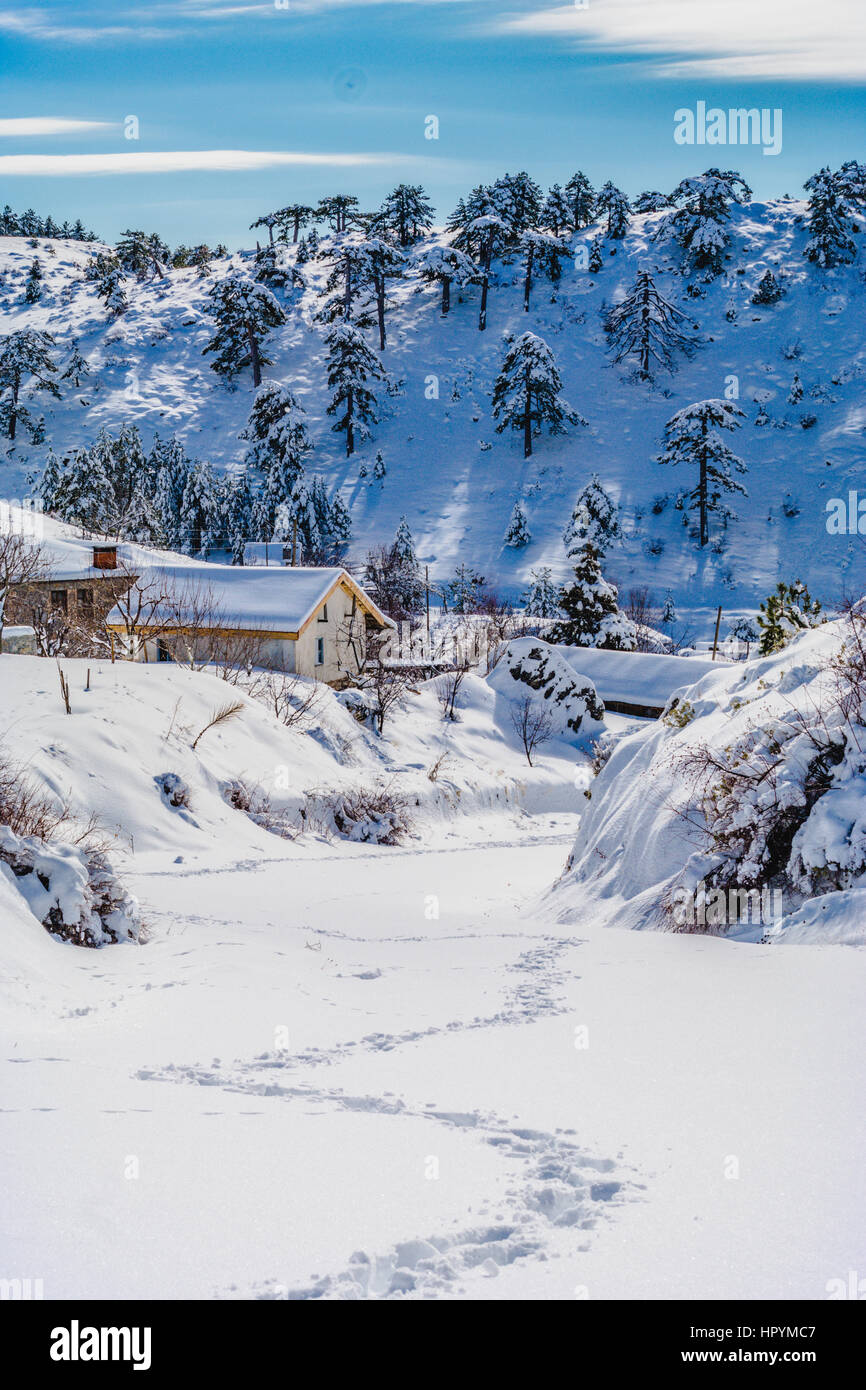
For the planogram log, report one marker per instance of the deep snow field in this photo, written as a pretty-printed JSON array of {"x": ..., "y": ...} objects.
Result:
[
  {"x": 449, "y": 471},
  {"x": 339, "y": 1069}
]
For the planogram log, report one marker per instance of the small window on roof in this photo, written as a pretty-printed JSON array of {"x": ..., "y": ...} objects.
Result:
[{"x": 323, "y": 616}]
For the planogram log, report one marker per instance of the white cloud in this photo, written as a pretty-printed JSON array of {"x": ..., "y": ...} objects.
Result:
[
  {"x": 182, "y": 161},
  {"x": 47, "y": 125},
  {"x": 739, "y": 38}
]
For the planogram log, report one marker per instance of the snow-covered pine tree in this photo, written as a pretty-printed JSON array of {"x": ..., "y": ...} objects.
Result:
[
  {"x": 110, "y": 285},
  {"x": 581, "y": 199},
  {"x": 140, "y": 522},
  {"x": 293, "y": 218},
  {"x": 556, "y": 215},
  {"x": 613, "y": 204},
  {"x": 795, "y": 395},
  {"x": 769, "y": 290},
  {"x": 168, "y": 468},
  {"x": 541, "y": 599},
  {"x": 244, "y": 313},
  {"x": 235, "y": 507},
  {"x": 596, "y": 255},
  {"x": 33, "y": 283},
  {"x": 465, "y": 591},
  {"x": 84, "y": 495},
  {"x": 830, "y": 243},
  {"x": 143, "y": 254},
  {"x": 542, "y": 255},
  {"x": 651, "y": 201},
  {"x": 517, "y": 198},
  {"x": 669, "y": 611},
  {"x": 784, "y": 614},
  {"x": 595, "y": 518},
  {"x": 270, "y": 269},
  {"x": 379, "y": 469},
  {"x": 447, "y": 265},
  {"x": 337, "y": 210},
  {"x": 481, "y": 236},
  {"x": 646, "y": 326},
  {"x": 527, "y": 391},
  {"x": 25, "y": 356},
  {"x": 699, "y": 223},
  {"x": 77, "y": 368},
  {"x": 199, "y": 515},
  {"x": 693, "y": 436},
  {"x": 352, "y": 367},
  {"x": 744, "y": 630},
  {"x": 50, "y": 480},
  {"x": 405, "y": 215},
  {"x": 517, "y": 533},
  {"x": 279, "y": 444},
  {"x": 592, "y": 617},
  {"x": 384, "y": 262}
]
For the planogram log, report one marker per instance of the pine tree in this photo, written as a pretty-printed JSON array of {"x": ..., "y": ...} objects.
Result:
[
  {"x": 466, "y": 590},
  {"x": 517, "y": 199},
  {"x": 517, "y": 533},
  {"x": 669, "y": 612},
  {"x": 557, "y": 215},
  {"x": 596, "y": 257},
  {"x": 199, "y": 515},
  {"x": 140, "y": 522},
  {"x": 351, "y": 367},
  {"x": 279, "y": 444},
  {"x": 651, "y": 202},
  {"x": 50, "y": 480},
  {"x": 542, "y": 255},
  {"x": 406, "y": 214},
  {"x": 244, "y": 313},
  {"x": 527, "y": 391},
  {"x": 693, "y": 436},
  {"x": 110, "y": 284},
  {"x": 482, "y": 235},
  {"x": 592, "y": 615},
  {"x": 595, "y": 519},
  {"x": 613, "y": 203},
  {"x": 379, "y": 469},
  {"x": 292, "y": 219},
  {"x": 383, "y": 263},
  {"x": 77, "y": 368},
  {"x": 168, "y": 468},
  {"x": 646, "y": 326},
  {"x": 541, "y": 599},
  {"x": 235, "y": 505},
  {"x": 744, "y": 630},
  {"x": 703, "y": 210},
  {"x": 786, "y": 613},
  {"x": 25, "y": 356},
  {"x": 406, "y": 588},
  {"x": 83, "y": 494},
  {"x": 33, "y": 284},
  {"x": 581, "y": 199},
  {"x": 143, "y": 254},
  {"x": 448, "y": 266},
  {"x": 270, "y": 269},
  {"x": 795, "y": 395},
  {"x": 829, "y": 242},
  {"x": 769, "y": 290},
  {"x": 337, "y": 211}
]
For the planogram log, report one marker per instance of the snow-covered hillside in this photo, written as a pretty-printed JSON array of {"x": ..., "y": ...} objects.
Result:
[{"x": 449, "y": 471}]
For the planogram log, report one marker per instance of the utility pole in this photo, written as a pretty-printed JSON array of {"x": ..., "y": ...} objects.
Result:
[
  {"x": 294, "y": 539},
  {"x": 716, "y": 638},
  {"x": 427, "y": 595}
]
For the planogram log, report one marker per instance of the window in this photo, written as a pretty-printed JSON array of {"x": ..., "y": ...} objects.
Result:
[
  {"x": 320, "y": 651},
  {"x": 85, "y": 598},
  {"x": 323, "y": 616},
  {"x": 59, "y": 599},
  {"x": 162, "y": 651}
]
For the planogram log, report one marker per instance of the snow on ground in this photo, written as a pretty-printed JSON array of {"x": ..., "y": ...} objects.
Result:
[{"x": 352, "y": 1070}]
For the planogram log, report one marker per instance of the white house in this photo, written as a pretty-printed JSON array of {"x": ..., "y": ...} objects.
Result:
[{"x": 313, "y": 622}]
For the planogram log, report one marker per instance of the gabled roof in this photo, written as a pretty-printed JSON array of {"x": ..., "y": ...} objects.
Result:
[{"x": 263, "y": 598}]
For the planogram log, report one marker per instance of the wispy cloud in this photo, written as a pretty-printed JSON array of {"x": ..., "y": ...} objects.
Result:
[
  {"x": 782, "y": 39},
  {"x": 185, "y": 161},
  {"x": 15, "y": 126}
]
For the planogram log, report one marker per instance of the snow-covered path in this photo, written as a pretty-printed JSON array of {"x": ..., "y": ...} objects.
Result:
[{"x": 389, "y": 1071}]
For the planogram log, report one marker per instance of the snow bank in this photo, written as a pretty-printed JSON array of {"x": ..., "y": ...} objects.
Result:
[
  {"x": 640, "y": 678},
  {"x": 530, "y": 667},
  {"x": 753, "y": 782},
  {"x": 72, "y": 891}
]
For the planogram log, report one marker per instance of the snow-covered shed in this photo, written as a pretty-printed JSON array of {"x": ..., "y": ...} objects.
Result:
[
  {"x": 310, "y": 621},
  {"x": 639, "y": 683}
]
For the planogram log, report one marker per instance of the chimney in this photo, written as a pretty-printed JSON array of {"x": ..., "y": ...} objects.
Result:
[{"x": 105, "y": 557}]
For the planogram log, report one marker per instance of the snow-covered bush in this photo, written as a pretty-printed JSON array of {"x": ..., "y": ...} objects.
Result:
[
  {"x": 375, "y": 815},
  {"x": 255, "y": 803},
  {"x": 73, "y": 891},
  {"x": 571, "y": 699},
  {"x": 173, "y": 788}
]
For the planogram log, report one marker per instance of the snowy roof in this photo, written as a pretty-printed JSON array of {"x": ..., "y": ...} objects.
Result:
[{"x": 272, "y": 598}]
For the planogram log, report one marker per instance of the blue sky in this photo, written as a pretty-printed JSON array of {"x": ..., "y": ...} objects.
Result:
[{"x": 331, "y": 95}]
